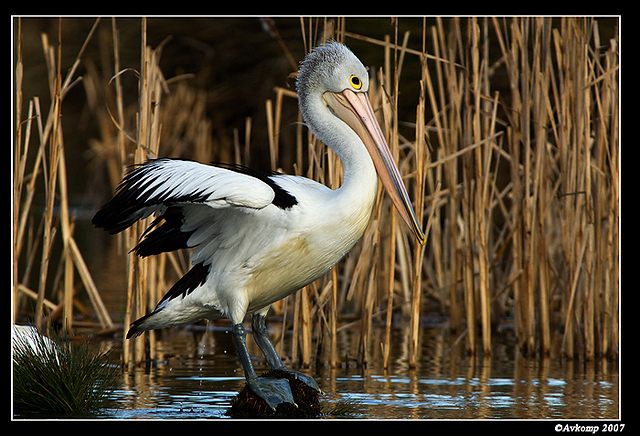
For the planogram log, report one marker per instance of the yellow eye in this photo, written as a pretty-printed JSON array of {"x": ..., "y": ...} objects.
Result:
[{"x": 355, "y": 82}]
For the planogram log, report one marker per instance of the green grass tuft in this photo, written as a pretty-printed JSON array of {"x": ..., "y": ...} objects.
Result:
[{"x": 54, "y": 379}]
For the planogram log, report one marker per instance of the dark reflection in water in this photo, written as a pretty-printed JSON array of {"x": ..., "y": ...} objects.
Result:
[{"x": 198, "y": 375}]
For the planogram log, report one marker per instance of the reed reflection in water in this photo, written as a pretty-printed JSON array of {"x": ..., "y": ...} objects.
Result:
[{"x": 198, "y": 375}]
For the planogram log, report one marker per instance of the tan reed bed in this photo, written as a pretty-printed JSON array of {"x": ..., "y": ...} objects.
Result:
[
  {"x": 49, "y": 163},
  {"x": 517, "y": 188}
]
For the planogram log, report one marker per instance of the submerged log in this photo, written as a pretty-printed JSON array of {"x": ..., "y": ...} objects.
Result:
[{"x": 248, "y": 405}]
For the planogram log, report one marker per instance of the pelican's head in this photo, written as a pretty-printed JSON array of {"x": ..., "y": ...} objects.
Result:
[
  {"x": 332, "y": 67},
  {"x": 333, "y": 82}
]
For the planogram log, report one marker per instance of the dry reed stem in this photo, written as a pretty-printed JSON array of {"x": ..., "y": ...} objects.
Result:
[{"x": 142, "y": 288}]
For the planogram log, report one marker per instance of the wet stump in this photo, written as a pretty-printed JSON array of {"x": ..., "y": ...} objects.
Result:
[{"x": 248, "y": 405}]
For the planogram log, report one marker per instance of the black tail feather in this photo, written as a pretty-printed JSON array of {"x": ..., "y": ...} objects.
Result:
[{"x": 135, "y": 328}]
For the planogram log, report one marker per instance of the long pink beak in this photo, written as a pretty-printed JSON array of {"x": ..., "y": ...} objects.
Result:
[{"x": 355, "y": 109}]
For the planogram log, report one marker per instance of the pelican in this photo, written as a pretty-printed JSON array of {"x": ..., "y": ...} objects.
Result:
[{"x": 258, "y": 237}]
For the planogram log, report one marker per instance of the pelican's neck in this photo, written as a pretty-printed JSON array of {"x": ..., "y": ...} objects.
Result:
[
  {"x": 357, "y": 193},
  {"x": 360, "y": 176}
]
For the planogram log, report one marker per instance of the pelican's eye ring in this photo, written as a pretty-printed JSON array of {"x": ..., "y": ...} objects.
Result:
[{"x": 355, "y": 82}]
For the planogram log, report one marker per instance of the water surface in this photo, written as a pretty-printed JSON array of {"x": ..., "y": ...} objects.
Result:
[{"x": 197, "y": 376}]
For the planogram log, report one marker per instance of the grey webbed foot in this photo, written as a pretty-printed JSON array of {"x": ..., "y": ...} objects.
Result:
[
  {"x": 309, "y": 381},
  {"x": 272, "y": 390}
]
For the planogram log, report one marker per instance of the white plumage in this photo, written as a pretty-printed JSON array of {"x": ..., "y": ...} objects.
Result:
[{"x": 258, "y": 237}]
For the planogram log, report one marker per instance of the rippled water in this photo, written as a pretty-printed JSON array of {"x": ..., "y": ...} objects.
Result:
[{"x": 197, "y": 376}]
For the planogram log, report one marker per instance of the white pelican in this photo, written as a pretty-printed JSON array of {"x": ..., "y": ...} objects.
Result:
[{"x": 258, "y": 237}]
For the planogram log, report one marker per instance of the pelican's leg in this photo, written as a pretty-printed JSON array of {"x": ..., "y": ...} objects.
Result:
[
  {"x": 273, "y": 360},
  {"x": 272, "y": 390}
]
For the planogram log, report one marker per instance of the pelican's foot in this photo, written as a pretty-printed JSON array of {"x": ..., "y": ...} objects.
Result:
[
  {"x": 309, "y": 381},
  {"x": 272, "y": 390}
]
